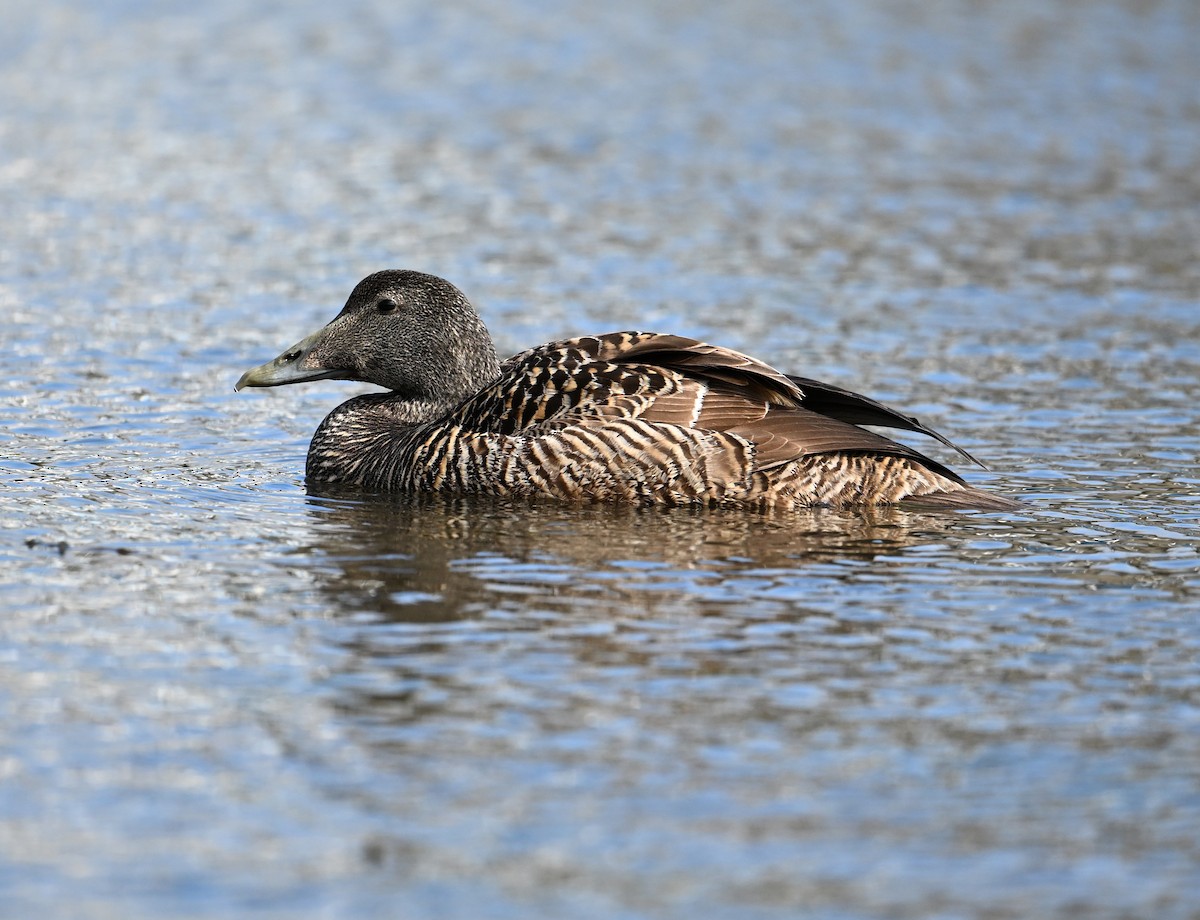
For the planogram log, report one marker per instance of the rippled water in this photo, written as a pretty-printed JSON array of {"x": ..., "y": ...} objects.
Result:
[{"x": 222, "y": 696}]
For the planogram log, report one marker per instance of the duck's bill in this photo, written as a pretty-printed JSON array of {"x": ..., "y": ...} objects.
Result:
[{"x": 296, "y": 365}]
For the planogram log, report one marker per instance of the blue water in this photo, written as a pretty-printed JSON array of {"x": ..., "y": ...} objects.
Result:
[{"x": 222, "y": 696}]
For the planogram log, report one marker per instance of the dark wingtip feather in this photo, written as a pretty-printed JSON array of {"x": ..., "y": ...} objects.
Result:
[{"x": 857, "y": 409}]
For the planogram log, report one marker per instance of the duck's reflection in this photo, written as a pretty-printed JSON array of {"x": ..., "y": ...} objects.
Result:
[
  {"x": 466, "y": 609},
  {"x": 429, "y": 559}
]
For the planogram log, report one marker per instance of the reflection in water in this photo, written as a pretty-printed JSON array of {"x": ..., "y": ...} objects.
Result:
[
  {"x": 441, "y": 598},
  {"x": 449, "y": 598},
  {"x": 638, "y": 688},
  {"x": 434, "y": 558}
]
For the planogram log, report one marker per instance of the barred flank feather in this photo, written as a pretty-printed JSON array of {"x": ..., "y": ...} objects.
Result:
[{"x": 629, "y": 416}]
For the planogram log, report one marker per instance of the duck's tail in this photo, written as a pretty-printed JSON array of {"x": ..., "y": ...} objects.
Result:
[{"x": 967, "y": 498}]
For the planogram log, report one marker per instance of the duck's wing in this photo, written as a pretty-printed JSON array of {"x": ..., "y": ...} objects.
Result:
[
  {"x": 626, "y": 373},
  {"x": 673, "y": 380},
  {"x": 857, "y": 409},
  {"x": 782, "y": 435},
  {"x": 741, "y": 373},
  {"x": 745, "y": 373},
  {"x": 784, "y": 415}
]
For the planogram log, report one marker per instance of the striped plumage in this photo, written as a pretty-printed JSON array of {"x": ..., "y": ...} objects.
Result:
[{"x": 629, "y": 416}]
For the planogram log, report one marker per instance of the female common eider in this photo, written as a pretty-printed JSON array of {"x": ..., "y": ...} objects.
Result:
[{"x": 628, "y": 416}]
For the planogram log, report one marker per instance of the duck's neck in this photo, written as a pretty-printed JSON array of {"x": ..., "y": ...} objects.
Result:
[
  {"x": 363, "y": 442},
  {"x": 365, "y": 435}
]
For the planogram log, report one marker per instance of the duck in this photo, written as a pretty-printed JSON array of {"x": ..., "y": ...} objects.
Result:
[{"x": 647, "y": 418}]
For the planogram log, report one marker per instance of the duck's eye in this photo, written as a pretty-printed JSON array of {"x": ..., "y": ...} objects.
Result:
[{"x": 386, "y": 305}]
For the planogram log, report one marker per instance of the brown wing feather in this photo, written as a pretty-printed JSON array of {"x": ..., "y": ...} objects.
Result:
[
  {"x": 857, "y": 409},
  {"x": 828, "y": 416},
  {"x": 779, "y": 433},
  {"x": 700, "y": 360},
  {"x": 782, "y": 435}
]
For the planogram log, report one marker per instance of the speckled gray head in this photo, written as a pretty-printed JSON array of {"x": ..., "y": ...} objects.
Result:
[{"x": 407, "y": 331}]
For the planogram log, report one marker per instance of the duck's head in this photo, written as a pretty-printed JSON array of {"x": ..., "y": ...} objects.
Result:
[{"x": 409, "y": 332}]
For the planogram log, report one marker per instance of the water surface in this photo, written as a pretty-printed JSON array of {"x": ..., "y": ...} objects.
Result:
[{"x": 224, "y": 696}]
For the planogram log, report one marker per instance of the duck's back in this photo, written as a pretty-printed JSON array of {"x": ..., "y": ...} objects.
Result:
[{"x": 645, "y": 418}]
